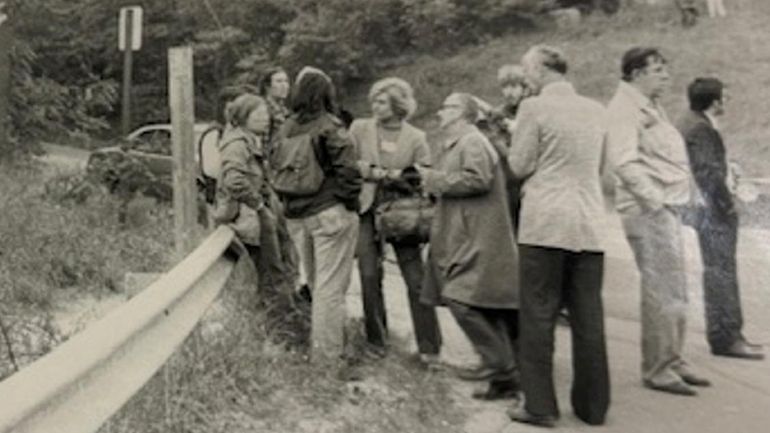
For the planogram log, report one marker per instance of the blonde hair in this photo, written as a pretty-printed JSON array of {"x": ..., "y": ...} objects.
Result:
[
  {"x": 399, "y": 93},
  {"x": 513, "y": 75}
]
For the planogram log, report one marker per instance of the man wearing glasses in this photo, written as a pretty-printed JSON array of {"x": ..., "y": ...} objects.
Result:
[{"x": 472, "y": 266}]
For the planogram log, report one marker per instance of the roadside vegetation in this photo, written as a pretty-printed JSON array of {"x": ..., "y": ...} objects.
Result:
[
  {"x": 238, "y": 372},
  {"x": 61, "y": 241}
]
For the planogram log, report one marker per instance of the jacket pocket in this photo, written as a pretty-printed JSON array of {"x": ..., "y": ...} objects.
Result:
[
  {"x": 334, "y": 220},
  {"x": 247, "y": 225}
]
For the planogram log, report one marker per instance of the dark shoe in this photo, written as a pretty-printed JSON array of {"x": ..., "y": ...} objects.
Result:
[
  {"x": 477, "y": 374},
  {"x": 754, "y": 346},
  {"x": 349, "y": 373},
  {"x": 374, "y": 352},
  {"x": 740, "y": 349},
  {"x": 302, "y": 296},
  {"x": 519, "y": 414},
  {"x": 498, "y": 390},
  {"x": 677, "y": 388},
  {"x": 694, "y": 380}
]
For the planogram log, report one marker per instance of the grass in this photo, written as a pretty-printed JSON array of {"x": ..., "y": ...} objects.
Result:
[
  {"x": 56, "y": 238},
  {"x": 233, "y": 374},
  {"x": 60, "y": 243},
  {"x": 736, "y": 49}
]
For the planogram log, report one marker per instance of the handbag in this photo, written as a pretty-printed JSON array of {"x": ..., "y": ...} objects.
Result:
[{"x": 405, "y": 219}]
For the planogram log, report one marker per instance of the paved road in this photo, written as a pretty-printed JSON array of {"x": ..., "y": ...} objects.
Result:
[{"x": 739, "y": 401}]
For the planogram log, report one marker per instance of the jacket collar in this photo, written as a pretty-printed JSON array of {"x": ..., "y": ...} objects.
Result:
[
  {"x": 558, "y": 88},
  {"x": 713, "y": 121},
  {"x": 452, "y": 137},
  {"x": 634, "y": 95},
  {"x": 235, "y": 134}
]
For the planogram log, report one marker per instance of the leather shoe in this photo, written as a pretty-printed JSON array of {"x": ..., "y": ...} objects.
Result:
[
  {"x": 520, "y": 414},
  {"x": 677, "y": 388},
  {"x": 498, "y": 390},
  {"x": 476, "y": 374},
  {"x": 694, "y": 380},
  {"x": 740, "y": 349}
]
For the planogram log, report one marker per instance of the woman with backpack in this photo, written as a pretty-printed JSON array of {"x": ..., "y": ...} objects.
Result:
[
  {"x": 244, "y": 198},
  {"x": 386, "y": 144},
  {"x": 315, "y": 173}
]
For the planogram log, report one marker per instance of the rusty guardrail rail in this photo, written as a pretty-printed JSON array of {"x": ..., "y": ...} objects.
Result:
[{"x": 80, "y": 384}]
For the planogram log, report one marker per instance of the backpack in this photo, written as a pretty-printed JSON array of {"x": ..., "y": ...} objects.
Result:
[
  {"x": 295, "y": 166},
  {"x": 209, "y": 163}
]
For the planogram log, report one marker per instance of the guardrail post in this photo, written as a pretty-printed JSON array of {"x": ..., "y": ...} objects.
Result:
[{"x": 182, "y": 102}]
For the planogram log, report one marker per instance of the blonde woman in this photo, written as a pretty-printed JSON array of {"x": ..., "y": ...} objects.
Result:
[{"x": 387, "y": 143}]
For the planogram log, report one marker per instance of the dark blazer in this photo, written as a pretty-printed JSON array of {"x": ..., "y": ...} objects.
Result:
[{"x": 708, "y": 162}]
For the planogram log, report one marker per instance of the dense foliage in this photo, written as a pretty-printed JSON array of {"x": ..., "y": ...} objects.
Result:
[{"x": 67, "y": 68}]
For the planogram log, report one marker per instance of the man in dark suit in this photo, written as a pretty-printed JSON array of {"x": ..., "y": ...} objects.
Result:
[{"x": 717, "y": 224}]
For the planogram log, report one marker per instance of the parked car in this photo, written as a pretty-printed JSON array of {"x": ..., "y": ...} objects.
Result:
[{"x": 142, "y": 160}]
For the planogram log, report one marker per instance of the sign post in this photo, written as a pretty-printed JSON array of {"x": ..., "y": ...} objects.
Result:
[
  {"x": 129, "y": 40},
  {"x": 5, "y": 72},
  {"x": 181, "y": 105}
]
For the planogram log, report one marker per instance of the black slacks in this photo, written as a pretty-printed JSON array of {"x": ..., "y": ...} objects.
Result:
[
  {"x": 493, "y": 333},
  {"x": 550, "y": 278},
  {"x": 424, "y": 319},
  {"x": 718, "y": 238}
]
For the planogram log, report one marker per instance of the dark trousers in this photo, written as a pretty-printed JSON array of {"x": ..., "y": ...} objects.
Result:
[
  {"x": 370, "y": 254},
  {"x": 718, "y": 239},
  {"x": 552, "y": 277},
  {"x": 493, "y": 332}
]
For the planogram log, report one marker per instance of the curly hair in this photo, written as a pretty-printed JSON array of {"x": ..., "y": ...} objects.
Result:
[
  {"x": 512, "y": 75},
  {"x": 400, "y": 95}
]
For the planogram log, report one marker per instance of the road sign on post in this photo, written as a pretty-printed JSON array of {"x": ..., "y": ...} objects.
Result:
[
  {"x": 129, "y": 40},
  {"x": 181, "y": 103}
]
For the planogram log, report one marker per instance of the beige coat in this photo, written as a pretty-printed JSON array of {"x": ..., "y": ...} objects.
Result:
[
  {"x": 558, "y": 151},
  {"x": 473, "y": 256},
  {"x": 410, "y": 149}
]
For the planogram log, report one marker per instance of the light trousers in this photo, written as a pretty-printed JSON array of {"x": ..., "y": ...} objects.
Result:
[
  {"x": 326, "y": 244},
  {"x": 656, "y": 240}
]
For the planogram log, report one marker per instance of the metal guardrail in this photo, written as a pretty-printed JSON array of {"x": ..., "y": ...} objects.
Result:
[{"x": 84, "y": 381}]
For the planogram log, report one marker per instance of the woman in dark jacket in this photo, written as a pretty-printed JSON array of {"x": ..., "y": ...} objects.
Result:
[{"x": 323, "y": 224}]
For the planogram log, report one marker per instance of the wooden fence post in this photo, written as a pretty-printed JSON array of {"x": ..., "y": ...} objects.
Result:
[{"x": 181, "y": 102}]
